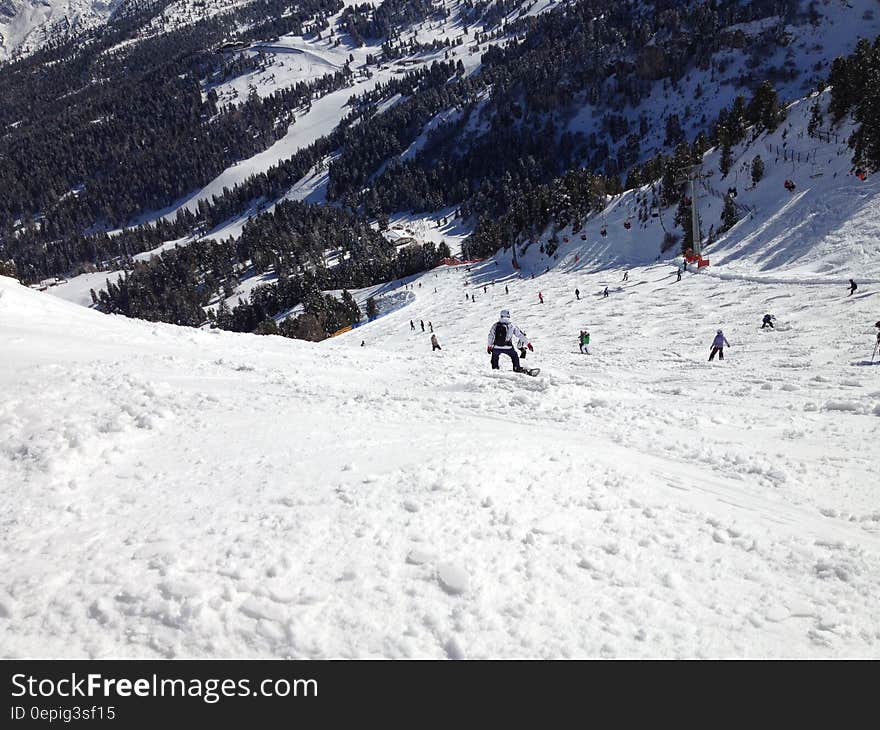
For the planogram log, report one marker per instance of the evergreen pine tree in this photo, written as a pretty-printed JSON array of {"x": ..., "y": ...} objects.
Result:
[
  {"x": 815, "y": 119},
  {"x": 757, "y": 169},
  {"x": 726, "y": 160},
  {"x": 729, "y": 215}
]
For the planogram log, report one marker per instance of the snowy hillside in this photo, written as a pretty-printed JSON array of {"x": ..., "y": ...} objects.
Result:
[
  {"x": 29, "y": 25},
  {"x": 695, "y": 101},
  {"x": 26, "y": 25},
  {"x": 191, "y": 492},
  {"x": 183, "y": 493},
  {"x": 826, "y": 230}
]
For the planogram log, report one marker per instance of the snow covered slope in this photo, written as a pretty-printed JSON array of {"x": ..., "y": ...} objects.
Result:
[
  {"x": 175, "y": 492},
  {"x": 25, "y": 25},
  {"x": 794, "y": 66},
  {"x": 826, "y": 230},
  {"x": 28, "y": 25}
]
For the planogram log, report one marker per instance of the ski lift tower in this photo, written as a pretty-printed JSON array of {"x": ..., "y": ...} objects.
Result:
[
  {"x": 695, "y": 219},
  {"x": 693, "y": 176}
]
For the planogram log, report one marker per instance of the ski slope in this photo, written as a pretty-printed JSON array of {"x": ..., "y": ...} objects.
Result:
[
  {"x": 825, "y": 231},
  {"x": 184, "y": 493}
]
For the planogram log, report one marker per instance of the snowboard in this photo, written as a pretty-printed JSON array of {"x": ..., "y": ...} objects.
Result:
[{"x": 530, "y": 371}]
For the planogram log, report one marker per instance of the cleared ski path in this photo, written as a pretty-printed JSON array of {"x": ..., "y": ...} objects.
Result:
[{"x": 171, "y": 492}]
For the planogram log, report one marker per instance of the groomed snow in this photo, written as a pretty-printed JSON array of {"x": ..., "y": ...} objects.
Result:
[{"x": 183, "y": 493}]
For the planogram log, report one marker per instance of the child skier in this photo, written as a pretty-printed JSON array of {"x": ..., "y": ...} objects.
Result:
[
  {"x": 501, "y": 341},
  {"x": 718, "y": 346}
]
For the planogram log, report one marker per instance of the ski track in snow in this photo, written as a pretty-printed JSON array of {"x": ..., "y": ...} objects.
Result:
[{"x": 182, "y": 493}]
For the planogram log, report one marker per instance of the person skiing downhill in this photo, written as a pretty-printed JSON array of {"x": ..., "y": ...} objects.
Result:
[
  {"x": 577, "y": 293},
  {"x": 679, "y": 275},
  {"x": 434, "y": 344},
  {"x": 412, "y": 325},
  {"x": 768, "y": 320},
  {"x": 585, "y": 342},
  {"x": 540, "y": 297},
  {"x": 501, "y": 341},
  {"x": 718, "y": 345},
  {"x": 605, "y": 293},
  {"x": 852, "y": 287},
  {"x": 422, "y": 322}
]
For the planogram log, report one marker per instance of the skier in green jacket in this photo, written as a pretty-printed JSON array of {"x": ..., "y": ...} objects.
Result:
[{"x": 585, "y": 341}]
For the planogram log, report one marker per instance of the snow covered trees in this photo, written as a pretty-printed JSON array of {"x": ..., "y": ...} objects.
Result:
[
  {"x": 856, "y": 89},
  {"x": 567, "y": 200},
  {"x": 7, "y": 268},
  {"x": 757, "y": 169},
  {"x": 729, "y": 216},
  {"x": 764, "y": 110}
]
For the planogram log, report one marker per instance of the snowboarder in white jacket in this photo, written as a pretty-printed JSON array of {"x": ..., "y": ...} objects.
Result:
[{"x": 501, "y": 341}]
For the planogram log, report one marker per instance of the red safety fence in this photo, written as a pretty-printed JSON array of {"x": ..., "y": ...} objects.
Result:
[
  {"x": 452, "y": 261},
  {"x": 690, "y": 257}
]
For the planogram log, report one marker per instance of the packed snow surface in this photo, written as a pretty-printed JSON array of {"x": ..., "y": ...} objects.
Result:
[{"x": 170, "y": 492}]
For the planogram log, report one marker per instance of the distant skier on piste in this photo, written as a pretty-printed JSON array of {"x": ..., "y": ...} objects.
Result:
[
  {"x": 501, "y": 341},
  {"x": 852, "y": 287},
  {"x": 768, "y": 321},
  {"x": 584, "y": 342},
  {"x": 718, "y": 345}
]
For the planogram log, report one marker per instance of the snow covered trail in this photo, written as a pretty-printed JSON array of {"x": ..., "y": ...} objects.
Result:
[{"x": 181, "y": 493}]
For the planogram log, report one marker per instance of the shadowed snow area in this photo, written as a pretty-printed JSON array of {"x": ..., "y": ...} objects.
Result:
[{"x": 184, "y": 493}]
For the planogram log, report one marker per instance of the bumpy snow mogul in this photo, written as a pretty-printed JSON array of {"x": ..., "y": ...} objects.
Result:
[{"x": 501, "y": 341}]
